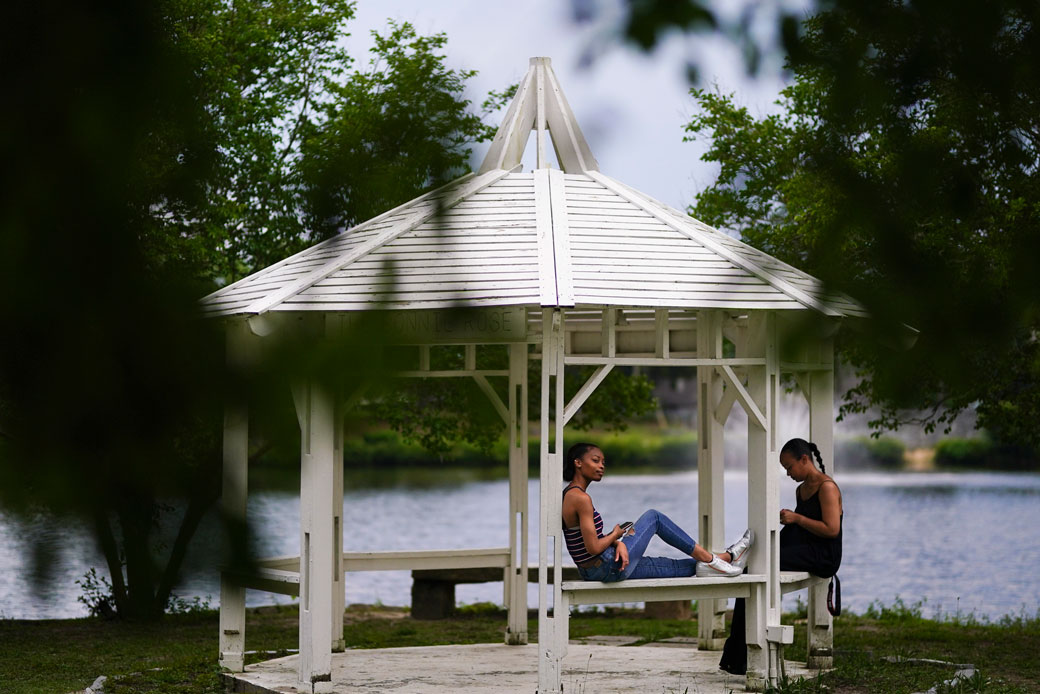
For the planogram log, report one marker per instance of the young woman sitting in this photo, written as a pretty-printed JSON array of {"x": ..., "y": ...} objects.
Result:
[
  {"x": 809, "y": 541},
  {"x": 618, "y": 555}
]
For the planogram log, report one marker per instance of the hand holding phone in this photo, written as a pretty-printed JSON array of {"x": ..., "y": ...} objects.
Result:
[{"x": 626, "y": 527}]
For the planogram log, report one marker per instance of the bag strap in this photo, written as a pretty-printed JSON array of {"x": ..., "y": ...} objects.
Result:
[{"x": 834, "y": 596}]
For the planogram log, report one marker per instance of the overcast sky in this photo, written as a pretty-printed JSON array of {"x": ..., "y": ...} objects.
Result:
[{"x": 631, "y": 106}]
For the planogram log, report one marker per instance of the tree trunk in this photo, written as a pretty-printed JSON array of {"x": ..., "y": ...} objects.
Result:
[
  {"x": 197, "y": 507},
  {"x": 110, "y": 549},
  {"x": 136, "y": 520}
]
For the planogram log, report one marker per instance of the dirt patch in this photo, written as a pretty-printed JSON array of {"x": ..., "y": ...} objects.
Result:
[
  {"x": 919, "y": 459},
  {"x": 360, "y": 613}
]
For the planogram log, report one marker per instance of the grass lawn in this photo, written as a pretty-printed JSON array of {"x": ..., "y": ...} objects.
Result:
[{"x": 179, "y": 655}]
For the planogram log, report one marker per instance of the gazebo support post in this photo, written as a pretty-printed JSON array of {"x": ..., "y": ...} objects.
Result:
[
  {"x": 711, "y": 621},
  {"x": 763, "y": 608},
  {"x": 516, "y": 572},
  {"x": 320, "y": 438},
  {"x": 233, "y": 495},
  {"x": 339, "y": 595},
  {"x": 821, "y": 432},
  {"x": 552, "y": 644}
]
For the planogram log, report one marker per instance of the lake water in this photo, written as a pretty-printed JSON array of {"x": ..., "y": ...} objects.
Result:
[{"x": 964, "y": 543}]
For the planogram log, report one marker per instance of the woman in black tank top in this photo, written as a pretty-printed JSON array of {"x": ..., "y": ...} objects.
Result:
[{"x": 809, "y": 541}]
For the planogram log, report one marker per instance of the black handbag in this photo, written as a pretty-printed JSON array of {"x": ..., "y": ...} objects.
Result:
[{"x": 834, "y": 596}]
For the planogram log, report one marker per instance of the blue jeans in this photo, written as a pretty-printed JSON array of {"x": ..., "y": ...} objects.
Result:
[{"x": 649, "y": 524}]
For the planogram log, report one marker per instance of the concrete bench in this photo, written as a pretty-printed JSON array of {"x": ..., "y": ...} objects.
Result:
[{"x": 433, "y": 590}]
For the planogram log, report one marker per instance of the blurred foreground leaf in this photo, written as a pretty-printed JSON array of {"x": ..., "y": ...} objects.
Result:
[
  {"x": 903, "y": 170},
  {"x": 152, "y": 153}
]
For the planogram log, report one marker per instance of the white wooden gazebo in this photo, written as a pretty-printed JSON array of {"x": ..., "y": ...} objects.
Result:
[{"x": 574, "y": 268}]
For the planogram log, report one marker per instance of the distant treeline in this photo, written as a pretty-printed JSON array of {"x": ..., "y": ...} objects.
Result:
[
  {"x": 640, "y": 449},
  {"x": 660, "y": 450}
]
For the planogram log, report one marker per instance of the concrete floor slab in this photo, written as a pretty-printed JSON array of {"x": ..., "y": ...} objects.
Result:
[
  {"x": 606, "y": 640},
  {"x": 496, "y": 668}
]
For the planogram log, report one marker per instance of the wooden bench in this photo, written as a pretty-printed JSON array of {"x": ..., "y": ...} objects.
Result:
[
  {"x": 662, "y": 589},
  {"x": 438, "y": 570}
]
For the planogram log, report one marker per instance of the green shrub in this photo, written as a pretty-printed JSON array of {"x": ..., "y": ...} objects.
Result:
[
  {"x": 963, "y": 453},
  {"x": 637, "y": 449},
  {"x": 982, "y": 453},
  {"x": 382, "y": 458},
  {"x": 864, "y": 451},
  {"x": 630, "y": 449}
]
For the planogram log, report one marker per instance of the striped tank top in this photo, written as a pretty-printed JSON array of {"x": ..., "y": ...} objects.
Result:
[{"x": 572, "y": 536}]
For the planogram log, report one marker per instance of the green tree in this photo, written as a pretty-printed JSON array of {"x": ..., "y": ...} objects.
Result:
[
  {"x": 902, "y": 169},
  {"x": 441, "y": 413},
  {"x": 102, "y": 360},
  {"x": 262, "y": 72},
  {"x": 388, "y": 133},
  {"x": 153, "y": 152}
]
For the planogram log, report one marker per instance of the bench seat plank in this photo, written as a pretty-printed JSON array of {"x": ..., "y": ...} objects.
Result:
[
  {"x": 407, "y": 560},
  {"x": 662, "y": 589},
  {"x": 790, "y": 581},
  {"x": 426, "y": 559},
  {"x": 659, "y": 589},
  {"x": 269, "y": 580}
]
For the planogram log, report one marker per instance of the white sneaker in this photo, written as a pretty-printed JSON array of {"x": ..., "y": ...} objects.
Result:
[
  {"x": 738, "y": 551},
  {"x": 717, "y": 568}
]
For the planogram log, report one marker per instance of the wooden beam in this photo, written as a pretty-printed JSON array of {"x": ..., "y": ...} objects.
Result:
[
  {"x": 451, "y": 373},
  {"x": 586, "y": 390},
  {"x": 547, "y": 290},
  {"x": 575, "y": 360},
  {"x": 572, "y": 150},
  {"x": 795, "y": 366},
  {"x": 561, "y": 239},
  {"x": 609, "y": 332},
  {"x": 539, "y": 118},
  {"x": 729, "y": 396},
  {"x": 507, "y": 148},
  {"x": 233, "y": 501},
  {"x": 515, "y": 588},
  {"x": 661, "y": 333},
  {"x": 744, "y": 397},
  {"x": 496, "y": 401}
]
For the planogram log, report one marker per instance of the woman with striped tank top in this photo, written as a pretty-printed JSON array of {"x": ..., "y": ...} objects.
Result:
[{"x": 619, "y": 554}]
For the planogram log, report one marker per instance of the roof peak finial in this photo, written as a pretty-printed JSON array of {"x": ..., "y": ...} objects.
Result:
[{"x": 539, "y": 105}]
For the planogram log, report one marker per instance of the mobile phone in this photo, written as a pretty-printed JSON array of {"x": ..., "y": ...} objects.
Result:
[{"x": 625, "y": 527}]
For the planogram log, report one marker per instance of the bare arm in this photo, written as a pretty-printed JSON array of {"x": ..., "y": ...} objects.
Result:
[
  {"x": 594, "y": 545},
  {"x": 830, "y": 505}
]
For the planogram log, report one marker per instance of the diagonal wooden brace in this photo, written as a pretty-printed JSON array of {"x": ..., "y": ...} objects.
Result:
[
  {"x": 585, "y": 391},
  {"x": 742, "y": 395}
]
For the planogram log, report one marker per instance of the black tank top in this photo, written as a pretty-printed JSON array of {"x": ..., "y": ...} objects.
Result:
[{"x": 820, "y": 555}]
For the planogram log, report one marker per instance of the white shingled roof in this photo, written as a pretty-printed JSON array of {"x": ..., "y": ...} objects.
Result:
[{"x": 502, "y": 237}]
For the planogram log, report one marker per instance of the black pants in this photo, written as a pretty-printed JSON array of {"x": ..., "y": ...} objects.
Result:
[{"x": 792, "y": 558}]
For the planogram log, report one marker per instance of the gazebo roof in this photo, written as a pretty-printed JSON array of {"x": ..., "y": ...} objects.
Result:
[{"x": 552, "y": 238}]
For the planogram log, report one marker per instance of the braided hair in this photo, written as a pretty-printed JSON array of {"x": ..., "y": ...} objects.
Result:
[
  {"x": 800, "y": 447},
  {"x": 576, "y": 451}
]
